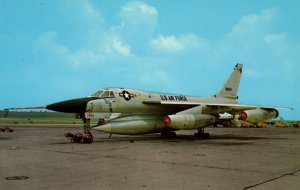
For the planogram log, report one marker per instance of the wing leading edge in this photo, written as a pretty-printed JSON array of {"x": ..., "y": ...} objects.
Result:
[{"x": 225, "y": 106}]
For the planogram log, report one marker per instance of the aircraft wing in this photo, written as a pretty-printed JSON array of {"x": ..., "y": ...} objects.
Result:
[
  {"x": 242, "y": 107},
  {"x": 227, "y": 107}
]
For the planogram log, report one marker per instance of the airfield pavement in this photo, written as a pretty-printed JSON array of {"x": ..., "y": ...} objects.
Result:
[{"x": 233, "y": 158}]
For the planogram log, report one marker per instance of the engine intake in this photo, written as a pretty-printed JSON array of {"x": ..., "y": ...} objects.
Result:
[
  {"x": 188, "y": 121},
  {"x": 258, "y": 115}
]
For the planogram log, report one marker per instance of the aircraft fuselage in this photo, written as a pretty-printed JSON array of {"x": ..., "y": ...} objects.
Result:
[{"x": 136, "y": 101}]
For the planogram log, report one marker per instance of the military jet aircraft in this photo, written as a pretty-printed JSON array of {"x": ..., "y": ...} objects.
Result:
[
  {"x": 140, "y": 112},
  {"x": 143, "y": 112}
]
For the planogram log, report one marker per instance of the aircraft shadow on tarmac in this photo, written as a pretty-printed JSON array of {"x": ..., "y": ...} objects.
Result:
[
  {"x": 229, "y": 139},
  {"x": 5, "y": 138}
]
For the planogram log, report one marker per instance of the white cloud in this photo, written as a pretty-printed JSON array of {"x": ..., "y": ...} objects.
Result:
[
  {"x": 255, "y": 23},
  {"x": 89, "y": 11},
  {"x": 85, "y": 58},
  {"x": 138, "y": 18},
  {"x": 101, "y": 43},
  {"x": 252, "y": 39},
  {"x": 252, "y": 73},
  {"x": 135, "y": 7},
  {"x": 82, "y": 12},
  {"x": 267, "y": 51},
  {"x": 154, "y": 76},
  {"x": 136, "y": 11},
  {"x": 274, "y": 38},
  {"x": 111, "y": 48},
  {"x": 48, "y": 43},
  {"x": 168, "y": 43},
  {"x": 120, "y": 47},
  {"x": 173, "y": 44}
]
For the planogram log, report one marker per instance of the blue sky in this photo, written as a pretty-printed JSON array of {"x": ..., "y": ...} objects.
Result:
[{"x": 56, "y": 50}]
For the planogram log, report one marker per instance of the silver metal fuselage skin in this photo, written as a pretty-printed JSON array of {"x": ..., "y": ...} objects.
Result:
[
  {"x": 143, "y": 112},
  {"x": 147, "y": 103}
]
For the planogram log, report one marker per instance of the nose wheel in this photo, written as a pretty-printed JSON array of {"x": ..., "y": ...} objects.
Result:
[
  {"x": 87, "y": 137},
  {"x": 86, "y": 125}
]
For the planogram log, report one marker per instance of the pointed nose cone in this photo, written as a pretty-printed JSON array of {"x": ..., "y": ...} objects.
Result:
[{"x": 71, "y": 106}]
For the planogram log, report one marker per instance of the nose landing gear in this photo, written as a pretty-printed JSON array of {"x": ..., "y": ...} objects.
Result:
[
  {"x": 86, "y": 125},
  {"x": 87, "y": 137}
]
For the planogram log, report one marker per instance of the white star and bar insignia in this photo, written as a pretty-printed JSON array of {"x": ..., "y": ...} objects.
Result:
[{"x": 126, "y": 95}]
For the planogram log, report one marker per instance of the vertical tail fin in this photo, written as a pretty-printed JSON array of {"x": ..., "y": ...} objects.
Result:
[{"x": 231, "y": 86}]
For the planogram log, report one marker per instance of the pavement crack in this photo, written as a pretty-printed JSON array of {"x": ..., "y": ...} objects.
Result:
[
  {"x": 272, "y": 179},
  {"x": 232, "y": 169}
]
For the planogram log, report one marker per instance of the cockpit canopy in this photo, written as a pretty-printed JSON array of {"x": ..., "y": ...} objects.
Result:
[{"x": 103, "y": 94}]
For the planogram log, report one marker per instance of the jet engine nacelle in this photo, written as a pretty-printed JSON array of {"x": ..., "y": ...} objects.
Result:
[
  {"x": 188, "y": 121},
  {"x": 132, "y": 125},
  {"x": 258, "y": 115}
]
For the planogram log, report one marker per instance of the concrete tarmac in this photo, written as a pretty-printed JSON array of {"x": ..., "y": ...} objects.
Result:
[{"x": 40, "y": 157}]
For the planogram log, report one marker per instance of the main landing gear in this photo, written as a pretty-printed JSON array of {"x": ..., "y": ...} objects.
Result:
[
  {"x": 168, "y": 134},
  {"x": 201, "y": 134},
  {"x": 87, "y": 137}
]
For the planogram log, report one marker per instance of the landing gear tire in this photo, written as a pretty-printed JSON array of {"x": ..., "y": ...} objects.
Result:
[
  {"x": 202, "y": 135},
  {"x": 84, "y": 138},
  {"x": 168, "y": 134}
]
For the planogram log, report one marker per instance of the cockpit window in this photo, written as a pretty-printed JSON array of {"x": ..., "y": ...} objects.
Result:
[
  {"x": 97, "y": 94},
  {"x": 104, "y": 94},
  {"x": 107, "y": 94},
  {"x": 111, "y": 94}
]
